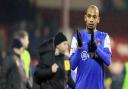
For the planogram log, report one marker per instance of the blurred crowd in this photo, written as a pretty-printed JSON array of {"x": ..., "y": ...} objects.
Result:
[{"x": 115, "y": 75}]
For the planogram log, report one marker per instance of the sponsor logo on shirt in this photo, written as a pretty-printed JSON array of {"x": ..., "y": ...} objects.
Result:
[{"x": 84, "y": 55}]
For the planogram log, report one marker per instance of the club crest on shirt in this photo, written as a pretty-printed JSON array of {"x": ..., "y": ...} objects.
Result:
[
  {"x": 98, "y": 42},
  {"x": 84, "y": 55}
]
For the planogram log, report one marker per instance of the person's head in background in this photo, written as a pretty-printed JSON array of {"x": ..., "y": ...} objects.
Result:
[
  {"x": 91, "y": 17},
  {"x": 23, "y": 36},
  {"x": 17, "y": 46},
  {"x": 60, "y": 43}
]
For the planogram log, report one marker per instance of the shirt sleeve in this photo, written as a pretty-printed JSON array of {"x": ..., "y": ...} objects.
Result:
[{"x": 105, "y": 53}]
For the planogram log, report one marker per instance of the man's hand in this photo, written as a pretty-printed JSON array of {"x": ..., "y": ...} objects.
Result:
[
  {"x": 54, "y": 68},
  {"x": 79, "y": 39},
  {"x": 92, "y": 46}
]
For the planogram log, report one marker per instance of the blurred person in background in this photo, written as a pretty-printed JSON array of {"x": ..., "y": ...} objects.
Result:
[
  {"x": 90, "y": 50},
  {"x": 25, "y": 56},
  {"x": 116, "y": 69},
  {"x": 46, "y": 33},
  {"x": 3, "y": 41},
  {"x": 35, "y": 40},
  {"x": 2, "y": 73},
  {"x": 125, "y": 78},
  {"x": 119, "y": 78},
  {"x": 107, "y": 78},
  {"x": 116, "y": 75},
  {"x": 15, "y": 74},
  {"x": 53, "y": 70}
]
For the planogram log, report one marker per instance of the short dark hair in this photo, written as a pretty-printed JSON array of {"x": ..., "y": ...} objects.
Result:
[{"x": 91, "y": 6}]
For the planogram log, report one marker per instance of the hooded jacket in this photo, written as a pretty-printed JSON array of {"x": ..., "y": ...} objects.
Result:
[{"x": 43, "y": 73}]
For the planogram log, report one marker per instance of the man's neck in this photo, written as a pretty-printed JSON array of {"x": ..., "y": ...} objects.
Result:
[{"x": 89, "y": 30}]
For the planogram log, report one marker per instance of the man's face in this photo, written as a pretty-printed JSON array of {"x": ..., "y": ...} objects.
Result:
[
  {"x": 92, "y": 18},
  {"x": 25, "y": 41},
  {"x": 63, "y": 47}
]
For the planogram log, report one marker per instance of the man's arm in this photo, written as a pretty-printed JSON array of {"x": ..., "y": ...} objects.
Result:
[
  {"x": 43, "y": 72},
  {"x": 105, "y": 54}
]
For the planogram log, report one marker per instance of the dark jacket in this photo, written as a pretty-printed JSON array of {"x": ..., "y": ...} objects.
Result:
[
  {"x": 15, "y": 74},
  {"x": 43, "y": 74}
]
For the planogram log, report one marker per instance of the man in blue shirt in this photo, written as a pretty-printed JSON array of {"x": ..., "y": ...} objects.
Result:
[{"x": 91, "y": 56}]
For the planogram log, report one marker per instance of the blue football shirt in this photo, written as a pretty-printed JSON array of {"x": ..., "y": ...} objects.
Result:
[{"x": 90, "y": 72}]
